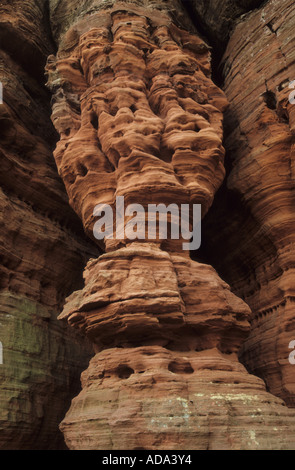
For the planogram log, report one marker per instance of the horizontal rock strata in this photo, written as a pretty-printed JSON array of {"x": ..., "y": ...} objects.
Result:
[
  {"x": 257, "y": 220},
  {"x": 139, "y": 116},
  {"x": 42, "y": 252}
]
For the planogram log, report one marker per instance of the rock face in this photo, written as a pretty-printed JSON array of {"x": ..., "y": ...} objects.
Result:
[
  {"x": 42, "y": 251},
  {"x": 166, "y": 374},
  {"x": 133, "y": 94},
  {"x": 153, "y": 398},
  {"x": 139, "y": 117},
  {"x": 258, "y": 239},
  {"x": 264, "y": 174},
  {"x": 217, "y": 19}
]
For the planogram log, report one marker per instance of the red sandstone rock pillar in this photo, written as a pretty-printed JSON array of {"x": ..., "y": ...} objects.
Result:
[{"x": 139, "y": 117}]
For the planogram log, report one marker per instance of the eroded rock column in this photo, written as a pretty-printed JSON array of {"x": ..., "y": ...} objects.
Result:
[{"x": 139, "y": 117}]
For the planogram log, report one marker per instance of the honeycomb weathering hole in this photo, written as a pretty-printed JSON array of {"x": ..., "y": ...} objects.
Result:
[
  {"x": 180, "y": 367},
  {"x": 124, "y": 371}
]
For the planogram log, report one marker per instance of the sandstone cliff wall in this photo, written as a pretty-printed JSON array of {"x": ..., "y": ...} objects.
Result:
[{"x": 42, "y": 248}]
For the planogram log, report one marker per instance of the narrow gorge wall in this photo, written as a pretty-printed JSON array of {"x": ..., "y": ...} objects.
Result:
[
  {"x": 173, "y": 337},
  {"x": 42, "y": 250},
  {"x": 256, "y": 206}
]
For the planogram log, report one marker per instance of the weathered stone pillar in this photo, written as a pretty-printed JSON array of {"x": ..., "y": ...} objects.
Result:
[{"x": 139, "y": 116}]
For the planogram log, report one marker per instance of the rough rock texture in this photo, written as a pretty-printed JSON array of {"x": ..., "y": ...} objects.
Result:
[
  {"x": 42, "y": 251},
  {"x": 183, "y": 388},
  {"x": 138, "y": 116},
  {"x": 216, "y": 19},
  {"x": 25, "y": 34},
  {"x": 152, "y": 398},
  {"x": 256, "y": 216},
  {"x": 131, "y": 105}
]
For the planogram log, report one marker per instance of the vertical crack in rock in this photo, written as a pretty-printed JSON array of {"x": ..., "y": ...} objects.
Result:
[{"x": 139, "y": 116}]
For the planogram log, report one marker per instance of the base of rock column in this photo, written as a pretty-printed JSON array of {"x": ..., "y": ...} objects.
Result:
[{"x": 156, "y": 399}]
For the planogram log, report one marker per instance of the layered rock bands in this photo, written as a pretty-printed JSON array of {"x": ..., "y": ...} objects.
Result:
[
  {"x": 42, "y": 252},
  {"x": 250, "y": 235},
  {"x": 139, "y": 116}
]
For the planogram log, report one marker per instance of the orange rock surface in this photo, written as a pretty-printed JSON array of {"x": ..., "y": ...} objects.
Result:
[
  {"x": 254, "y": 250},
  {"x": 135, "y": 109},
  {"x": 139, "y": 116},
  {"x": 42, "y": 248}
]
